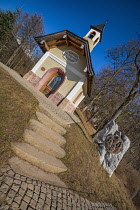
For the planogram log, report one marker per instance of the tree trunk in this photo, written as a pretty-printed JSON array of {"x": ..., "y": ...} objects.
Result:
[{"x": 124, "y": 104}]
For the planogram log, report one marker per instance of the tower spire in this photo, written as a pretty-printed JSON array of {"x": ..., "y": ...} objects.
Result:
[
  {"x": 95, "y": 35},
  {"x": 99, "y": 28}
]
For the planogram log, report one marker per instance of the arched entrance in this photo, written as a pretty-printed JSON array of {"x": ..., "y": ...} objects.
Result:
[
  {"x": 51, "y": 85},
  {"x": 52, "y": 80}
]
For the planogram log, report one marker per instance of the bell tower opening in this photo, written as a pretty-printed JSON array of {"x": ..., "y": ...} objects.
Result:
[{"x": 94, "y": 35}]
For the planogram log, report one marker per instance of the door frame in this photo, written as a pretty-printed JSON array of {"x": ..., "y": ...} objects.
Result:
[{"x": 56, "y": 71}]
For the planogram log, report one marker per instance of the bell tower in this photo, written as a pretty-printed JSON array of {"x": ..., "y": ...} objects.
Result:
[{"x": 94, "y": 35}]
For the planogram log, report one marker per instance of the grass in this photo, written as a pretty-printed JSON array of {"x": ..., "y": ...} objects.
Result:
[
  {"x": 17, "y": 107},
  {"x": 84, "y": 172}
]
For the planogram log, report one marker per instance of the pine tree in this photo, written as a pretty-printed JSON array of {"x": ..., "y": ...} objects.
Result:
[{"x": 7, "y": 20}]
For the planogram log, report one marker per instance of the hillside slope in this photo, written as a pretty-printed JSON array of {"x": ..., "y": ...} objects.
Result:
[{"x": 84, "y": 171}]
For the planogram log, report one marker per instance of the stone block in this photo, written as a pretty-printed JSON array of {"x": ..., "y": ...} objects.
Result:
[
  {"x": 4, "y": 207},
  {"x": 48, "y": 201},
  {"x": 4, "y": 188},
  {"x": 39, "y": 206},
  {"x": 41, "y": 201},
  {"x": 59, "y": 205},
  {"x": 29, "y": 181},
  {"x": 15, "y": 187},
  {"x": 33, "y": 203},
  {"x": 22, "y": 191},
  {"x": 11, "y": 193},
  {"x": 39, "y": 183},
  {"x": 42, "y": 195},
  {"x": 15, "y": 205},
  {"x": 35, "y": 196},
  {"x": 18, "y": 182},
  {"x": 56, "y": 98},
  {"x": 47, "y": 207},
  {"x": 11, "y": 173},
  {"x": 2, "y": 196},
  {"x": 17, "y": 176},
  {"x": 24, "y": 185},
  {"x": 23, "y": 178},
  {"x": 1, "y": 179},
  {"x": 5, "y": 168},
  {"x": 37, "y": 189},
  {"x": 27, "y": 199},
  {"x": 9, "y": 200},
  {"x": 34, "y": 182},
  {"x": 29, "y": 208},
  {"x": 23, "y": 205},
  {"x": 29, "y": 193},
  {"x": 30, "y": 186},
  {"x": 18, "y": 199},
  {"x": 43, "y": 190}
]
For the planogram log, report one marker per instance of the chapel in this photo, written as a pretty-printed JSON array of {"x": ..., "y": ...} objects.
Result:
[{"x": 64, "y": 74}]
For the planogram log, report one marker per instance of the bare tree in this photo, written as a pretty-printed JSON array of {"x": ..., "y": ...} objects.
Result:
[
  {"x": 121, "y": 58},
  {"x": 134, "y": 92},
  {"x": 18, "y": 48},
  {"x": 26, "y": 28}
]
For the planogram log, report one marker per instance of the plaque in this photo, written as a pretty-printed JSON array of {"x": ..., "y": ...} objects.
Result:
[{"x": 71, "y": 56}]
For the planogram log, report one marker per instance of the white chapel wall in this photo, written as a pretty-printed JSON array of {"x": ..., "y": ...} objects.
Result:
[{"x": 79, "y": 66}]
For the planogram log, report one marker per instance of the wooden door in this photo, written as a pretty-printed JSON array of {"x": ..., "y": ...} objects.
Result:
[{"x": 51, "y": 84}]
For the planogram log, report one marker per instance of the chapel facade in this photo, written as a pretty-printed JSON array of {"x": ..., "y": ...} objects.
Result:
[{"x": 64, "y": 74}]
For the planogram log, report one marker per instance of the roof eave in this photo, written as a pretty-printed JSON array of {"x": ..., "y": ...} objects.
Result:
[
  {"x": 89, "y": 84},
  {"x": 66, "y": 32}
]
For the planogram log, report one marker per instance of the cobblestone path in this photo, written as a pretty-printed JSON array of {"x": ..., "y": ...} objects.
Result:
[{"x": 20, "y": 192}]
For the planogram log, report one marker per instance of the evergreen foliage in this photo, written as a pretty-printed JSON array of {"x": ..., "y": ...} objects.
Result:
[{"x": 7, "y": 20}]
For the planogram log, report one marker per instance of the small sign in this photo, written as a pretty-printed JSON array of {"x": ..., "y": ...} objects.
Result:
[
  {"x": 71, "y": 56},
  {"x": 43, "y": 68}
]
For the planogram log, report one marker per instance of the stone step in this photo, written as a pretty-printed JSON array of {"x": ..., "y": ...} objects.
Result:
[
  {"x": 24, "y": 168},
  {"x": 43, "y": 144},
  {"x": 38, "y": 158},
  {"x": 50, "y": 123},
  {"x": 47, "y": 132},
  {"x": 53, "y": 116}
]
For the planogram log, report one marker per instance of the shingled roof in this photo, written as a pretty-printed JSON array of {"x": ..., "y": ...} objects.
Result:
[{"x": 99, "y": 28}]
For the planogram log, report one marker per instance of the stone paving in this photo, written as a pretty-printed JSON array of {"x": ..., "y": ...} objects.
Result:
[{"x": 20, "y": 192}]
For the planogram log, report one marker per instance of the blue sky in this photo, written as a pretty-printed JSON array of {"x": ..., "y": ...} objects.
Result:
[{"x": 78, "y": 15}]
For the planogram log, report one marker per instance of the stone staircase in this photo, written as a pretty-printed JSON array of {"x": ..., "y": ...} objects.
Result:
[
  {"x": 38, "y": 157},
  {"x": 41, "y": 147}
]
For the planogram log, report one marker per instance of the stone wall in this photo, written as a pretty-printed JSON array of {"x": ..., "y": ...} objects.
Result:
[
  {"x": 32, "y": 78},
  {"x": 56, "y": 98},
  {"x": 67, "y": 106}
]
